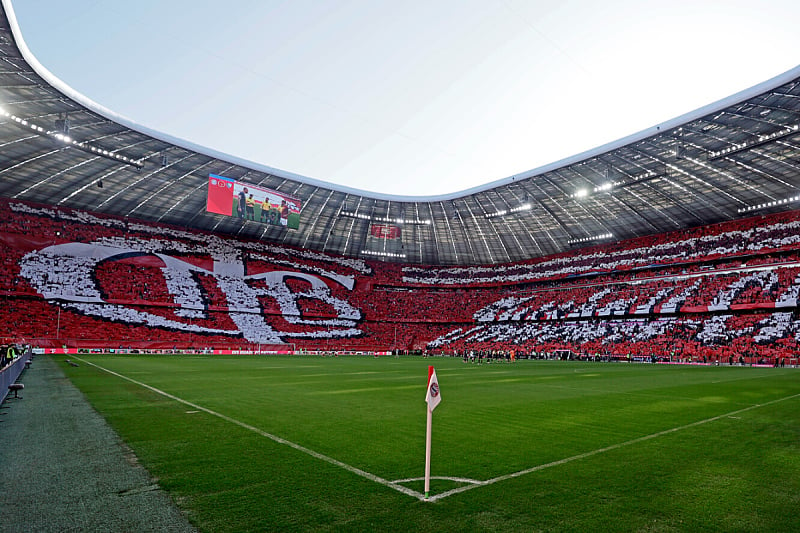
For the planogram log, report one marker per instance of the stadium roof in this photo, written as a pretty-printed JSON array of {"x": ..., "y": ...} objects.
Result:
[{"x": 735, "y": 158}]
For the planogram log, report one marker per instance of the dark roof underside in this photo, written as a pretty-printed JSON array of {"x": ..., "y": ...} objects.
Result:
[{"x": 670, "y": 180}]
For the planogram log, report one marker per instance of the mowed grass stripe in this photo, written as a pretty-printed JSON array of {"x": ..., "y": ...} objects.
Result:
[
  {"x": 485, "y": 428},
  {"x": 279, "y": 440},
  {"x": 562, "y": 417},
  {"x": 607, "y": 449}
]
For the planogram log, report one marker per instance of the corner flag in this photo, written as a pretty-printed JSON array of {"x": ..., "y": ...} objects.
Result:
[{"x": 433, "y": 396}]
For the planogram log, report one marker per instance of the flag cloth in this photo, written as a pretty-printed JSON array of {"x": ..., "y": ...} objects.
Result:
[
  {"x": 220, "y": 195},
  {"x": 433, "y": 396}
]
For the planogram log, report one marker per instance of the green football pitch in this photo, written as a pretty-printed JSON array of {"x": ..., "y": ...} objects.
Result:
[{"x": 246, "y": 443}]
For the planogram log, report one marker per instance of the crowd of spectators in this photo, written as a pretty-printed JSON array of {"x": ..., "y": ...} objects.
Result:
[
  {"x": 759, "y": 235},
  {"x": 75, "y": 277}
]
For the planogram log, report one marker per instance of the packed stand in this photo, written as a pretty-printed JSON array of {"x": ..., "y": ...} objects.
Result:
[{"x": 78, "y": 278}]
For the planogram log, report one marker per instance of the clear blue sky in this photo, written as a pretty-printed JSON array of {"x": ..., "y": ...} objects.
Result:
[{"x": 415, "y": 97}]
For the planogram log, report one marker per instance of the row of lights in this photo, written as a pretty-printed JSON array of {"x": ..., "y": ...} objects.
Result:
[
  {"x": 644, "y": 176},
  {"x": 590, "y": 239},
  {"x": 768, "y": 204},
  {"x": 583, "y": 193},
  {"x": 788, "y": 130},
  {"x": 414, "y": 221},
  {"x": 605, "y": 187},
  {"x": 66, "y": 139},
  {"x": 383, "y": 254},
  {"x": 503, "y": 212}
]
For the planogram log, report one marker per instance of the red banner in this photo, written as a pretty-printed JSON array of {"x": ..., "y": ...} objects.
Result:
[
  {"x": 220, "y": 195},
  {"x": 385, "y": 231}
]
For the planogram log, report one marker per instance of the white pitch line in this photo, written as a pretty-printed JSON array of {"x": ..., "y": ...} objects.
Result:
[
  {"x": 602, "y": 450},
  {"x": 472, "y": 483},
  {"x": 279, "y": 440}
]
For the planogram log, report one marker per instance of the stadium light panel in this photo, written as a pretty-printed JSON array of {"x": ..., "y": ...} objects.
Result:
[
  {"x": 591, "y": 239},
  {"x": 382, "y": 254},
  {"x": 59, "y": 135},
  {"x": 765, "y": 205},
  {"x": 413, "y": 221},
  {"x": 503, "y": 212},
  {"x": 761, "y": 139}
]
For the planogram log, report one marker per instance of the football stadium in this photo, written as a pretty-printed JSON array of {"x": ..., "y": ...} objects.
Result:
[{"x": 196, "y": 342}]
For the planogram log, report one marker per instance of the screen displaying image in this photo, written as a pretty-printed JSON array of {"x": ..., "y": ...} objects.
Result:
[{"x": 227, "y": 196}]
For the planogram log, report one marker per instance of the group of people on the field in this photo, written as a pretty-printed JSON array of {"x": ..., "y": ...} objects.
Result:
[{"x": 488, "y": 356}]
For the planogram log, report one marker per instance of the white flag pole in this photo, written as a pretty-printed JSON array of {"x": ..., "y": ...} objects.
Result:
[{"x": 428, "y": 453}]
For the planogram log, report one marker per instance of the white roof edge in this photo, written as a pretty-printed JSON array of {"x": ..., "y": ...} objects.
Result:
[
  {"x": 681, "y": 120},
  {"x": 83, "y": 100}
]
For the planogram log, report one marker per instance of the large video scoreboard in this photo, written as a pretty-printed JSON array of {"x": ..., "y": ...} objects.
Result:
[{"x": 227, "y": 196}]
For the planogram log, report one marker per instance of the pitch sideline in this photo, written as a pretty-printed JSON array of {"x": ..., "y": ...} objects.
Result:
[
  {"x": 472, "y": 483},
  {"x": 605, "y": 449},
  {"x": 275, "y": 438}
]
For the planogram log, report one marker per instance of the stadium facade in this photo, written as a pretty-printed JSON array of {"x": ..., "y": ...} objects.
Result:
[{"x": 731, "y": 159}]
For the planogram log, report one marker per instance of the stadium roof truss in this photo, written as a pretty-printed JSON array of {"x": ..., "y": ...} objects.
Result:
[{"x": 735, "y": 158}]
